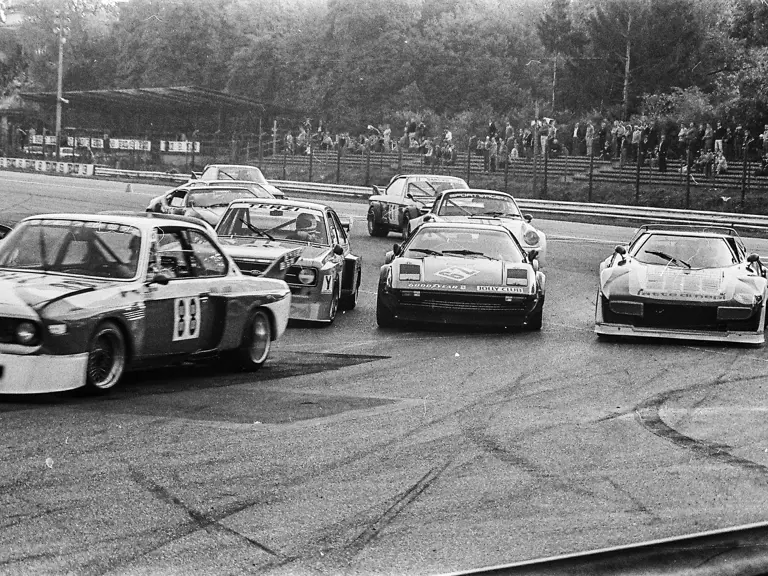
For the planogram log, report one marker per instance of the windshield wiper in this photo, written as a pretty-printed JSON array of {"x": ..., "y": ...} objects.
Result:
[
  {"x": 255, "y": 230},
  {"x": 468, "y": 253},
  {"x": 498, "y": 214},
  {"x": 427, "y": 251},
  {"x": 667, "y": 257}
]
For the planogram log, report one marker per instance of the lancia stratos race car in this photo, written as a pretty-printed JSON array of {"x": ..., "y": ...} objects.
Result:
[
  {"x": 204, "y": 200},
  {"x": 683, "y": 282},
  {"x": 461, "y": 273},
  {"x": 406, "y": 197},
  {"x": 83, "y": 298},
  {"x": 323, "y": 274},
  {"x": 486, "y": 206}
]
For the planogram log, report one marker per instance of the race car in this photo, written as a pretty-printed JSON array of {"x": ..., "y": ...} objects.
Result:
[
  {"x": 238, "y": 172},
  {"x": 204, "y": 200},
  {"x": 407, "y": 196},
  {"x": 683, "y": 282},
  {"x": 489, "y": 206},
  {"x": 461, "y": 273},
  {"x": 83, "y": 298},
  {"x": 323, "y": 274}
]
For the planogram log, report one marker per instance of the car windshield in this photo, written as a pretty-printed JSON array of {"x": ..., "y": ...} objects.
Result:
[
  {"x": 477, "y": 204},
  {"x": 684, "y": 251},
  {"x": 216, "y": 197},
  {"x": 274, "y": 221},
  {"x": 433, "y": 186},
  {"x": 81, "y": 248},
  {"x": 249, "y": 173},
  {"x": 463, "y": 242}
]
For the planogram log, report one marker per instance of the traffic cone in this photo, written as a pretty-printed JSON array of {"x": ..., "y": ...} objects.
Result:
[{"x": 129, "y": 188}]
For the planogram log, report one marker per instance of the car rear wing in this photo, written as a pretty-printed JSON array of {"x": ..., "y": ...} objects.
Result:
[{"x": 723, "y": 230}]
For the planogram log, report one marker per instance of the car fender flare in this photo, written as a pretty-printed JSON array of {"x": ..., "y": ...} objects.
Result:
[{"x": 128, "y": 336}]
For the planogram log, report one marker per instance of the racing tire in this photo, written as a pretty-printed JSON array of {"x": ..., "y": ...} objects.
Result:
[
  {"x": 107, "y": 358},
  {"x": 349, "y": 302},
  {"x": 375, "y": 229},
  {"x": 536, "y": 320},
  {"x": 405, "y": 226},
  {"x": 257, "y": 342},
  {"x": 384, "y": 316},
  {"x": 334, "y": 306}
]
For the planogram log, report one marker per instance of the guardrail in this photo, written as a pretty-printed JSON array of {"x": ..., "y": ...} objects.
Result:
[{"x": 575, "y": 211}]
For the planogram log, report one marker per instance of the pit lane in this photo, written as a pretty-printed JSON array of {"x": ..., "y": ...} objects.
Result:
[{"x": 365, "y": 451}]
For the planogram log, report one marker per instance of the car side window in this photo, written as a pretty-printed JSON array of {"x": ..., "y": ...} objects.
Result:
[
  {"x": 207, "y": 259},
  {"x": 396, "y": 188},
  {"x": 342, "y": 233},
  {"x": 168, "y": 255}
]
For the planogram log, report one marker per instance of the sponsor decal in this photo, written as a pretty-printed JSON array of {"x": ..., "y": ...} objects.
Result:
[
  {"x": 435, "y": 286},
  {"x": 409, "y": 272},
  {"x": 506, "y": 289},
  {"x": 679, "y": 295},
  {"x": 457, "y": 273},
  {"x": 187, "y": 316},
  {"x": 327, "y": 286}
]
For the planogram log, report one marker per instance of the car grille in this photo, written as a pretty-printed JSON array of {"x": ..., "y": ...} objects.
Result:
[
  {"x": 7, "y": 330},
  {"x": 468, "y": 302},
  {"x": 680, "y": 317},
  {"x": 251, "y": 267}
]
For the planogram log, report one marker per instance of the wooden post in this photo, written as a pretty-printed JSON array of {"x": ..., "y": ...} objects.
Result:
[
  {"x": 688, "y": 178},
  {"x": 469, "y": 162},
  {"x": 338, "y": 163},
  {"x": 591, "y": 167},
  {"x": 637, "y": 174},
  {"x": 367, "y": 166},
  {"x": 506, "y": 173},
  {"x": 744, "y": 181},
  {"x": 261, "y": 150},
  {"x": 311, "y": 156},
  {"x": 285, "y": 159},
  {"x": 545, "y": 153}
]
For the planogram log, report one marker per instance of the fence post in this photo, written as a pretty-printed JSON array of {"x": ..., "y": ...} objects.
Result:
[
  {"x": 285, "y": 159},
  {"x": 591, "y": 169},
  {"x": 399, "y": 158},
  {"x": 688, "y": 179},
  {"x": 338, "y": 163},
  {"x": 367, "y": 166},
  {"x": 311, "y": 156},
  {"x": 743, "y": 182},
  {"x": 506, "y": 174},
  {"x": 545, "y": 152},
  {"x": 637, "y": 175},
  {"x": 469, "y": 162},
  {"x": 261, "y": 150}
]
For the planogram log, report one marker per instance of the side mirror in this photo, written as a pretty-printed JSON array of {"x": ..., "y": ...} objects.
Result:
[
  {"x": 753, "y": 258},
  {"x": 160, "y": 279},
  {"x": 621, "y": 251},
  {"x": 338, "y": 250},
  {"x": 389, "y": 257},
  {"x": 409, "y": 196},
  {"x": 376, "y": 189},
  {"x": 532, "y": 255},
  {"x": 193, "y": 176},
  {"x": 527, "y": 218},
  {"x": 396, "y": 250}
]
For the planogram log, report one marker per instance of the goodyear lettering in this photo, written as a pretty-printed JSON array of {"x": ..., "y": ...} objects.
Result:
[{"x": 434, "y": 286}]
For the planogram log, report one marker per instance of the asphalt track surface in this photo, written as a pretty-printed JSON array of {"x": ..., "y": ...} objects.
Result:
[{"x": 363, "y": 451}]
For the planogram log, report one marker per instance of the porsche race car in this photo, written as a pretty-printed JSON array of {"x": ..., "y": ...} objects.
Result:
[
  {"x": 683, "y": 282},
  {"x": 461, "y": 273}
]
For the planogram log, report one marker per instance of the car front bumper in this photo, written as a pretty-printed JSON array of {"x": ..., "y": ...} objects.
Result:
[
  {"x": 308, "y": 303},
  {"x": 40, "y": 374},
  {"x": 606, "y": 329}
]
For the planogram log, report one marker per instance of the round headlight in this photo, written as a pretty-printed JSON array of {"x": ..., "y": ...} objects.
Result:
[
  {"x": 26, "y": 333},
  {"x": 531, "y": 238},
  {"x": 307, "y": 275}
]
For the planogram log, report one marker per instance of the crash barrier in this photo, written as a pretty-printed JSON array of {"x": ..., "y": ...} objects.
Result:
[
  {"x": 738, "y": 550},
  {"x": 139, "y": 174},
  {"x": 74, "y": 168}
]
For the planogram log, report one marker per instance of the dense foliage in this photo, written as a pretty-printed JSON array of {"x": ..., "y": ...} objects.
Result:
[{"x": 456, "y": 62}]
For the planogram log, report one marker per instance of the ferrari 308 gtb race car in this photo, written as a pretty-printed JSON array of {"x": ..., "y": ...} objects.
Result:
[
  {"x": 461, "y": 273},
  {"x": 683, "y": 282},
  {"x": 85, "y": 297}
]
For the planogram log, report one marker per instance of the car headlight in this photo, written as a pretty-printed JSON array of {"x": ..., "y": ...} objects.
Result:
[
  {"x": 531, "y": 238},
  {"x": 26, "y": 333},
  {"x": 745, "y": 298},
  {"x": 307, "y": 275}
]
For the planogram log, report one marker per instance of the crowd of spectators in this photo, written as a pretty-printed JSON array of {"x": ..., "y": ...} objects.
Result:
[{"x": 707, "y": 148}]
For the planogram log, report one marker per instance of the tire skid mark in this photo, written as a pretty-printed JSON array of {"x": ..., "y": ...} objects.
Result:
[
  {"x": 638, "y": 505},
  {"x": 200, "y": 521},
  {"x": 401, "y": 502},
  {"x": 647, "y": 415}
]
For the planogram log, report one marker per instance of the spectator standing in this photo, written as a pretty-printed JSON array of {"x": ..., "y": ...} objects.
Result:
[
  {"x": 528, "y": 142},
  {"x": 387, "y": 138},
  {"x": 491, "y": 129},
  {"x": 289, "y": 143},
  {"x": 637, "y": 136},
  {"x": 719, "y": 138},
  {"x": 709, "y": 138},
  {"x": 662, "y": 153},
  {"x": 590, "y": 137},
  {"x": 509, "y": 132},
  {"x": 738, "y": 143},
  {"x": 493, "y": 151},
  {"x": 748, "y": 141},
  {"x": 764, "y": 138}
]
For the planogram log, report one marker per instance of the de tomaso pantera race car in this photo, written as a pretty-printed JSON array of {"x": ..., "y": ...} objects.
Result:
[
  {"x": 85, "y": 297},
  {"x": 461, "y": 273},
  {"x": 683, "y": 282}
]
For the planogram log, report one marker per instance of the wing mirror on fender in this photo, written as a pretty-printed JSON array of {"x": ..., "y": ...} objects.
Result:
[
  {"x": 389, "y": 257},
  {"x": 755, "y": 265},
  {"x": 396, "y": 250},
  {"x": 621, "y": 251},
  {"x": 338, "y": 250},
  {"x": 527, "y": 218}
]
